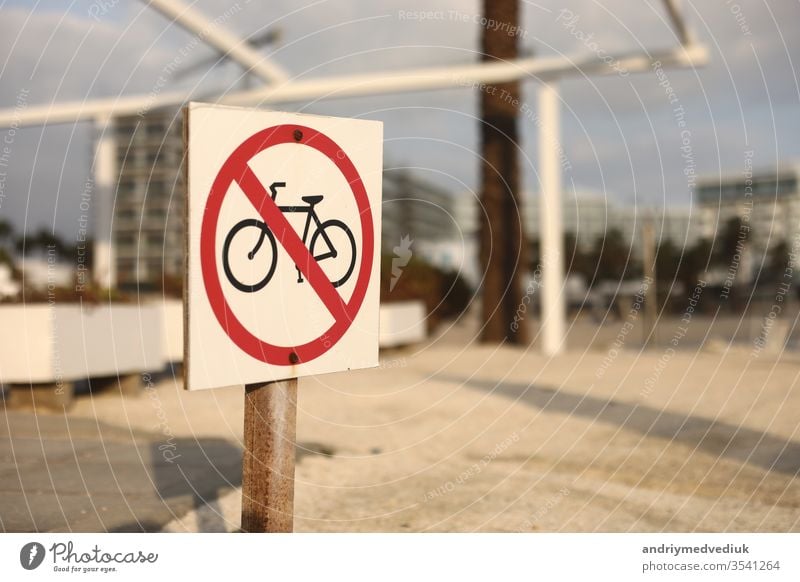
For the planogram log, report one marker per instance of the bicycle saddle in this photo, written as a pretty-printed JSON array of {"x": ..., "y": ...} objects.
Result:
[{"x": 311, "y": 199}]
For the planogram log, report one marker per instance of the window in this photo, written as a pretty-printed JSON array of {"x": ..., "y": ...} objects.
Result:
[{"x": 156, "y": 213}]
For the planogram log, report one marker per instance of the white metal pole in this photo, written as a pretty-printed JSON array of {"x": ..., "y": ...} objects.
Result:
[
  {"x": 551, "y": 227},
  {"x": 105, "y": 180}
]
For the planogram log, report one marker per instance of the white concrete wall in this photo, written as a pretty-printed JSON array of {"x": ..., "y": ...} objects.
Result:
[
  {"x": 109, "y": 340},
  {"x": 26, "y": 349},
  {"x": 402, "y": 323},
  {"x": 43, "y": 343}
]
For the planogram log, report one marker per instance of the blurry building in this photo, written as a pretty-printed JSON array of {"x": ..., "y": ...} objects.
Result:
[
  {"x": 149, "y": 204},
  {"x": 585, "y": 216},
  {"x": 415, "y": 207},
  {"x": 465, "y": 246},
  {"x": 680, "y": 227},
  {"x": 467, "y": 214},
  {"x": 423, "y": 215},
  {"x": 41, "y": 270},
  {"x": 588, "y": 216},
  {"x": 768, "y": 202}
]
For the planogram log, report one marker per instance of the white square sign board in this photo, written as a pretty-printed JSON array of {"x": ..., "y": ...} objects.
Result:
[{"x": 283, "y": 245}]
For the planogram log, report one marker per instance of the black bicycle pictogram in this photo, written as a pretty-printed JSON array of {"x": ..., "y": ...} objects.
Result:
[{"x": 334, "y": 234}]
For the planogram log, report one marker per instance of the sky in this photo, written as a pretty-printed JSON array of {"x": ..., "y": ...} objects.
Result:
[{"x": 621, "y": 134}]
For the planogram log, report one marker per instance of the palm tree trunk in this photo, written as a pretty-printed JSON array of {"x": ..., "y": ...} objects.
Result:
[{"x": 503, "y": 249}]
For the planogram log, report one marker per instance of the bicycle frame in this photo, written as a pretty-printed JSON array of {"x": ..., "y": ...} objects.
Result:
[
  {"x": 309, "y": 209},
  {"x": 311, "y": 214}
]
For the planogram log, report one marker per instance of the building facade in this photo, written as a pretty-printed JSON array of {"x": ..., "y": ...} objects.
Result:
[
  {"x": 415, "y": 208},
  {"x": 584, "y": 215},
  {"x": 149, "y": 203},
  {"x": 589, "y": 216},
  {"x": 680, "y": 227},
  {"x": 767, "y": 202}
]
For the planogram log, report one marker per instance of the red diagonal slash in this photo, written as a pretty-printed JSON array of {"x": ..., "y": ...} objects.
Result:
[{"x": 286, "y": 235}]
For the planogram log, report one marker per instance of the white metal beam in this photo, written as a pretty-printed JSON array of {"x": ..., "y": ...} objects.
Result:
[
  {"x": 214, "y": 33},
  {"x": 678, "y": 23},
  {"x": 89, "y": 110},
  {"x": 424, "y": 79},
  {"x": 546, "y": 69}
]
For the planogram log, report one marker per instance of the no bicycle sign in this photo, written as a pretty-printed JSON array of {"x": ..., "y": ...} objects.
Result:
[{"x": 283, "y": 245}]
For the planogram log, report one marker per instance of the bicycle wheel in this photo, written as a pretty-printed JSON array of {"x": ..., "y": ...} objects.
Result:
[
  {"x": 341, "y": 257},
  {"x": 249, "y": 245}
]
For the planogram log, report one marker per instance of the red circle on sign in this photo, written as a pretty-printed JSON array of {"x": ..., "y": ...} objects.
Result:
[{"x": 236, "y": 168}]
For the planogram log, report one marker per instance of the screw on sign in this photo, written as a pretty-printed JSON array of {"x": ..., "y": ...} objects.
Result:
[{"x": 270, "y": 195}]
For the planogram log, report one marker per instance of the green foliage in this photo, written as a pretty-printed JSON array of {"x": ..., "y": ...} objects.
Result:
[
  {"x": 5, "y": 258},
  {"x": 611, "y": 258},
  {"x": 731, "y": 236},
  {"x": 41, "y": 240},
  {"x": 457, "y": 295},
  {"x": 6, "y": 231},
  {"x": 778, "y": 262},
  {"x": 577, "y": 262},
  {"x": 87, "y": 294}
]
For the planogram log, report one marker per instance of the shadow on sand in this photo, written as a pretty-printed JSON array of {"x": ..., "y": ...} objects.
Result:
[{"x": 717, "y": 438}]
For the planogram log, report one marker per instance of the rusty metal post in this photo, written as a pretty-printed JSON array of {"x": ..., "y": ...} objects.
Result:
[{"x": 270, "y": 415}]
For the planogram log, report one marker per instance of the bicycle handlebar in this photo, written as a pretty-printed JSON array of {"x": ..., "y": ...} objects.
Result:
[{"x": 273, "y": 188}]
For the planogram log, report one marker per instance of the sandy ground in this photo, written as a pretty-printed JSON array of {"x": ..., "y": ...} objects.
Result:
[{"x": 455, "y": 436}]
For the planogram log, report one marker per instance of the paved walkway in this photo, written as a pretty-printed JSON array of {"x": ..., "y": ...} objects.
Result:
[
  {"x": 62, "y": 473},
  {"x": 453, "y": 436}
]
